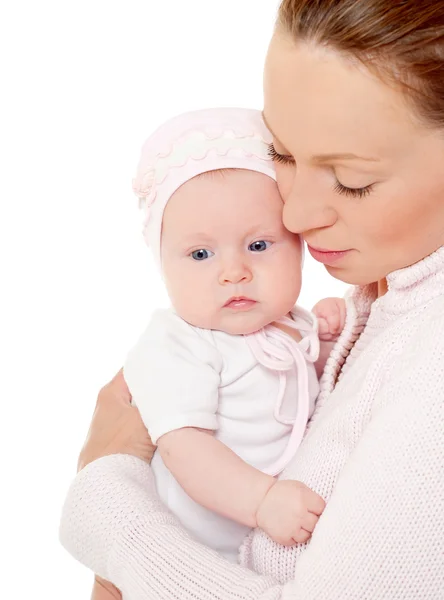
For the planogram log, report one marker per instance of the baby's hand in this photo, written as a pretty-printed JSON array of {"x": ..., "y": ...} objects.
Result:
[
  {"x": 289, "y": 512},
  {"x": 331, "y": 313}
]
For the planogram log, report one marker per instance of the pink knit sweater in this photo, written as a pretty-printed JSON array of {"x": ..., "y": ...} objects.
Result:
[{"x": 374, "y": 450}]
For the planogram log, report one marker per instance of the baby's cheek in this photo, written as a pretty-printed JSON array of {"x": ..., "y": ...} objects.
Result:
[{"x": 285, "y": 283}]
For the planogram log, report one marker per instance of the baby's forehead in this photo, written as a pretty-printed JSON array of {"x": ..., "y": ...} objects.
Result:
[
  {"x": 242, "y": 182},
  {"x": 226, "y": 199}
]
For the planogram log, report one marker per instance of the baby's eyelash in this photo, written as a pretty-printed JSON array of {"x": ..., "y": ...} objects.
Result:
[
  {"x": 280, "y": 158},
  {"x": 353, "y": 192}
]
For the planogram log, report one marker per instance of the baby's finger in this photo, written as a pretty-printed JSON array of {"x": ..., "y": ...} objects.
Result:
[
  {"x": 334, "y": 323},
  {"x": 323, "y": 327},
  {"x": 343, "y": 314},
  {"x": 309, "y": 522},
  {"x": 302, "y": 536},
  {"x": 315, "y": 504},
  {"x": 284, "y": 540}
]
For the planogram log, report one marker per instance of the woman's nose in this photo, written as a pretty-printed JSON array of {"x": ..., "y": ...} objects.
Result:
[
  {"x": 235, "y": 271},
  {"x": 306, "y": 207}
]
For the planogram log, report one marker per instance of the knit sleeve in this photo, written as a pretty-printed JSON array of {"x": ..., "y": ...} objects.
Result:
[
  {"x": 113, "y": 523},
  {"x": 173, "y": 374},
  {"x": 381, "y": 534}
]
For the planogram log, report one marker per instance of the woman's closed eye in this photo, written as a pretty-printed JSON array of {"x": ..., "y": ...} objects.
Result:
[
  {"x": 361, "y": 192},
  {"x": 284, "y": 159},
  {"x": 339, "y": 188}
]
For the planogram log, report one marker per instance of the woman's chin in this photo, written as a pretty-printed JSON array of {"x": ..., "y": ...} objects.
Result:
[{"x": 351, "y": 276}]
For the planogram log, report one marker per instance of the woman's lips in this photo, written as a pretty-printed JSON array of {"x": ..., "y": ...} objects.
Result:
[
  {"x": 327, "y": 257},
  {"x": 240, "y": 303}
]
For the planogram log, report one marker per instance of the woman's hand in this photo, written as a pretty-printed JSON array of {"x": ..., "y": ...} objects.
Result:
[
  {"x": 116, "y": 426},
  {"x": 104, "y": 590}
]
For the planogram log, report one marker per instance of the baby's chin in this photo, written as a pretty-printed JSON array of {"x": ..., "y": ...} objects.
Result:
[
  {"x": 233, "y": 323},
  {"x": 241, "y": 329}
]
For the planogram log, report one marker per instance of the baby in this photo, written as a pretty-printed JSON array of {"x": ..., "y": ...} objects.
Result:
[{"x": 225, "y": 380}]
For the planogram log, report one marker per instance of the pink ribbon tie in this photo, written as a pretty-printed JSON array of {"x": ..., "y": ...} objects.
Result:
[{"x": 278, "y": 351}]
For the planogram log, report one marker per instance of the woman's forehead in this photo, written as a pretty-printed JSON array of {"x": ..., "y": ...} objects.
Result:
[{"x": 316, "y": 102}]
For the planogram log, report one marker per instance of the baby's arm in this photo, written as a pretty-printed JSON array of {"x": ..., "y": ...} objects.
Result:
[{"x": 215, "y": 477}]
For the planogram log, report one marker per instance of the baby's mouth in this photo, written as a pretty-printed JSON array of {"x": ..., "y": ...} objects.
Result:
[{"x": 240, "y": 303}]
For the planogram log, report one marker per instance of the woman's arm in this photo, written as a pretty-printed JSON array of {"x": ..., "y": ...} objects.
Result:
[
  {"x": 112, "y": 509},
  {"x": 114, "y": 523},
  {"x": 115, "y": 426},
  {"x": 379, "y": 537}
]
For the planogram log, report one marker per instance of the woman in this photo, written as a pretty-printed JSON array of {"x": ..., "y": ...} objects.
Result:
[{"x": 354, "y": 97}]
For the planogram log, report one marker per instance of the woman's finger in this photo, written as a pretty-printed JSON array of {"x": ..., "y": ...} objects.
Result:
[
  {"x": 116, "y": 389},
  {"x": 104, "y": 590},
  {"x": 116, "y": 426},
  {"x": 120, "y": 384}
]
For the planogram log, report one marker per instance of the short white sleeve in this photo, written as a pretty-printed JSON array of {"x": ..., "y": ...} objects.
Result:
[{"x": 173, "y": 374}]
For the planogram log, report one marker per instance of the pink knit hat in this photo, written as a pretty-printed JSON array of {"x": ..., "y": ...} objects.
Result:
[{"x": 192, "y": 144}]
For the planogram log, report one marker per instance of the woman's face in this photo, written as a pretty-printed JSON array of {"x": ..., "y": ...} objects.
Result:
[{"x": 357, "y": 171}]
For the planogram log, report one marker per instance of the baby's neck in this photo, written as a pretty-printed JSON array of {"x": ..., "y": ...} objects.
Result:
[{"x": 293, "y": 333}]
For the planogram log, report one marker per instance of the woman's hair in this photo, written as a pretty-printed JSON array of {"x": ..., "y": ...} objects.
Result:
[{"x": 402, "y": 40}]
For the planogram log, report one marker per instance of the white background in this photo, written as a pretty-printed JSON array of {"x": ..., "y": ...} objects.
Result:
[{"x": 83, "y": 83}]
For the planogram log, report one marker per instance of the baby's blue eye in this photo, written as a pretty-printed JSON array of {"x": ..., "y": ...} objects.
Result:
[
  {"x": 259, "y": 246},
  {"x": 201, "y": 254}
]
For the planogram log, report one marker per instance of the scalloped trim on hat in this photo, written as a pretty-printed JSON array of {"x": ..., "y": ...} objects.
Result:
[
  {"x": 211, "y": 131},
  {"x": 196, "y": 146},
  {"x": 212, "y": 122}
]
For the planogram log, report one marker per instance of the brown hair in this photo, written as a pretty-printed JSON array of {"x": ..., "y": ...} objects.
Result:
[{"x": 402, "y": 40}]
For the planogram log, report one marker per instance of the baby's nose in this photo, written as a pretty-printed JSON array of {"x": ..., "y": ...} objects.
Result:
[{"x": 235, "y": 272}]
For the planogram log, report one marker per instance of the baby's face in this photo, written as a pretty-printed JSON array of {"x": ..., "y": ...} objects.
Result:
[{"x": 228, "y": 261}]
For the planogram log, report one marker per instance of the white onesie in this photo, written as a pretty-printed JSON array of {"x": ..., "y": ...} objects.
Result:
[{"x": 255, "y": 391}]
